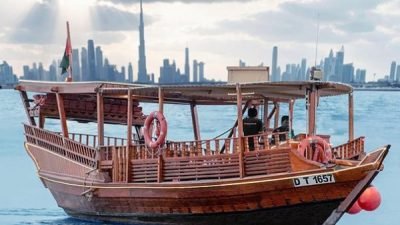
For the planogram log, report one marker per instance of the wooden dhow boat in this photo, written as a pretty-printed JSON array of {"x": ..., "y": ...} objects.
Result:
[{"x": 158, "y": 180}]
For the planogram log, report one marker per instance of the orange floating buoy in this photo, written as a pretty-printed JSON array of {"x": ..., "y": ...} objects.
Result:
[
  {"x": 370, "y": 199},
  {"x": 355, "y": 208}
]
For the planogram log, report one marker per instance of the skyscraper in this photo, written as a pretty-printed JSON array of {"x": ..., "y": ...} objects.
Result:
[
  {"x": 27, "y": 73},
  {"x": 392, "y": 71},
  {"x": 123, "y": 74},
  {"x": 187, "y": 66},
  {"x": 303, "y": 75},
  {"x": 339, "y": 65},
  {"x": 329, "y": 67},
  {"x": 130, "y": 73},
  {"x": 195, "y": 71},
  {"x": 91, "y": 61},
  {"x": 99, "y": 64},
  {"x": 76, "y": 72},
  {"x": 348, "y": 73},
  {"x": 170, "y": 74},
  {"x": 142, "y": 71},
  {"x": 275, "y": 76},
  {"x": 85, "y": 66},
  {"x": 53, "y": 70},
  {"x": 42, "y": 74},
  {"x": 201, "y": 72},
  {"x": 362, "y": 76},
  {"x": 6, "y": 74},
  {"x": 398, "y": 74}
]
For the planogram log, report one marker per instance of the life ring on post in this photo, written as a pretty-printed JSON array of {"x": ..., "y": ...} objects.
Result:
[
  {"x": 315, "y": 148},
  {"x": 161, "y": 129}
]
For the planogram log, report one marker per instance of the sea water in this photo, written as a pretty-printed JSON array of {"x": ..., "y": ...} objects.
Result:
[{"x": 24, "y": 200}]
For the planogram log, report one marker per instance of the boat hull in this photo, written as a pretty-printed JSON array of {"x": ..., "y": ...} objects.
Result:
[
  {"x": 273, "y": 199},
  {"x": 280, "y": 207},
  {"x": 303, "y": 214}
]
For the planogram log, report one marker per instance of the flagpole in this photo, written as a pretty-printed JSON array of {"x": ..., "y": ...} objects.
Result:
[{"x": 69, "y": 78}]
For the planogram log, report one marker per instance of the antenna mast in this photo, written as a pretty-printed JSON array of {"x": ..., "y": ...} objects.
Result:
[{"x": 316, "y": 43}]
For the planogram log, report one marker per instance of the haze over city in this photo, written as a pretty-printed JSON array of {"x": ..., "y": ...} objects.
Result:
[{"x": 218, "y": 32}]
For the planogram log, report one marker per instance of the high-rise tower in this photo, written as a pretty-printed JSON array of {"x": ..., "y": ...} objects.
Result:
[
  {"x": 339, "y": 65},
  {"x": 76, "y": 72},
  {"x": 201, "y": 72},
  {"x": 85, "y": 65},
  {"x": 275, "y": 76},
  {"x": 99, "y": 64},
  {"x": 142, "y": 71},
  {"x": 130, "y": 73},
  {"x": 91, "y": 61},
  {"x": 195, "y": 71},
  {"x": 187, "y": 66},
  {"x": 392, "y": 71}
]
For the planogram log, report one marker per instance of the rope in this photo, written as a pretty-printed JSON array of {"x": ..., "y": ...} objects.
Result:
[{"x": 223, "y": 133}]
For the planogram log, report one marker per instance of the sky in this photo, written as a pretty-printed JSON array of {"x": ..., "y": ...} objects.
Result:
[{"x": 217, "y": 32}]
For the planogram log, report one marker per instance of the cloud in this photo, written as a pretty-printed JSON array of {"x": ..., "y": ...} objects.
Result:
[
  {"x": 105, "y": 18},
  {"x": 340, "y": 21},
  {"x": 38, "y": 25},
  {"x": 129, "y": 2},
  {"x": 105, "y": 38}
]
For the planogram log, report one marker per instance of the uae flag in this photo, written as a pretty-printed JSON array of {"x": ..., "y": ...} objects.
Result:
[{"x": 66, "y": 61}]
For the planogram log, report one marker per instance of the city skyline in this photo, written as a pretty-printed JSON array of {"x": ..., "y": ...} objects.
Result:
[
  {"x": 366, "y": 28},
  {"x": 333, "y": 66},
  {"x": 97, "y": 67}
]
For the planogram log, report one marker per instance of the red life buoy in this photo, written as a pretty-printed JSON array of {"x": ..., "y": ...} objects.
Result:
[
  {"x": 161, "y": 129},
  {"x": 316, "y": 148}
]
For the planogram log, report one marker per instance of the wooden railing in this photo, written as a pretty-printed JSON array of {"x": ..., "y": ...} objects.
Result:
[
  {"x": 91, "y": 140},
  {"x": 195, "y": 160},
  {"x": 204, "y": 147},
  {"x": 229, "y": 145},
  {"x": 350, "y": 149},
  {"x": 62, "y": 146},
  {"x": 267, "y": 162}
]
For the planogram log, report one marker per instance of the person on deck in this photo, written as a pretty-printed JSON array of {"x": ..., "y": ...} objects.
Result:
[
  {"x": 252, "y": 125},
  {"x": 283, "y": 128}
]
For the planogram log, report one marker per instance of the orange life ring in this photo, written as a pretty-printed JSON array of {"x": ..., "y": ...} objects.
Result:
[
  {"x": 316, "y": 149},
  {"x": 161, "y": 129}
]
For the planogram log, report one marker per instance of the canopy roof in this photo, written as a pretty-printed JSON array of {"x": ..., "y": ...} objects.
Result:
[{"x": 201, "y": 94}]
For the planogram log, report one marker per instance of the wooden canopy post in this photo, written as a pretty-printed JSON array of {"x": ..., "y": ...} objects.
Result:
[
  {"x": 42, "y": 119},
  {"x": 61, "y": 112},
  {"x": 195, "y": 121},
  {"x": 312, "y": 107},
  {"x": 351, "y": 117},
  {"x": 276, "y": 121},
  {"x": 129, "y": 136},
  {"x": 100, "y": 119},
  {"x": 160, "y": 155},
  {"x": 129, "y": 120},
  {"x": 240, "y": 129},
  {"x": 25, "y": 101},
  {"x": 265, "y": 116},
  {"x": 291, "y": 106},
  {"x": 160, "y": 100}
]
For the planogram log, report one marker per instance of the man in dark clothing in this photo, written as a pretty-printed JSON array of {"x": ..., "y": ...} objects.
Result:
[
  {"x": 283, "y": 128},
  {"x": 252, "y": 126}
]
